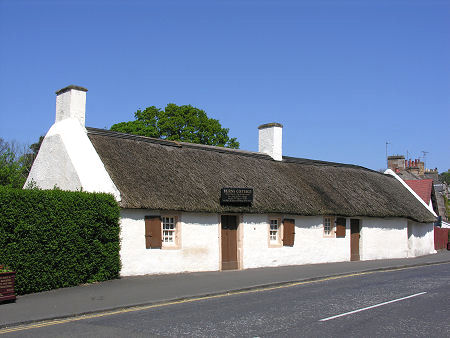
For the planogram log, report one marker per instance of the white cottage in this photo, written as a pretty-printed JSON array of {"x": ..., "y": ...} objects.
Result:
[{"x": 178, "y": 216}]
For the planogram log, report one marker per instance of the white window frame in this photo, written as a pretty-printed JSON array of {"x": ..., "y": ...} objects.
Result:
[
  {"x": 275, "y": 236},
  {"x": 329, "y": 229},
  {"x": 274, "y": 232},
  {"x": 167, "y": 233}
]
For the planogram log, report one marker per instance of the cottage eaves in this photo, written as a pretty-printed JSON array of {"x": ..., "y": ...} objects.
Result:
[{"x": 166, "y": 175}]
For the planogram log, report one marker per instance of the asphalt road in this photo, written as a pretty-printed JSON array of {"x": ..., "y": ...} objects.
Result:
[{"x": 409, "y": 302}]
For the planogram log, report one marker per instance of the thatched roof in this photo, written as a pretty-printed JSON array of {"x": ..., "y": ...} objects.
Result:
[{"x": 166, "y": 175}]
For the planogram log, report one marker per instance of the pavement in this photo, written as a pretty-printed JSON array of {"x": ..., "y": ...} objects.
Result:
[{"x": 152, "y": 289}]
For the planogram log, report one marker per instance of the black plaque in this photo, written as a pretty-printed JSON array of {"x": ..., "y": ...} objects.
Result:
[{"x": 237, "y": 196}]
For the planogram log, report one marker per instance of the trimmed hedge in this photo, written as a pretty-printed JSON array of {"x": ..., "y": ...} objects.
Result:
[{"x": 55, "y": 238}]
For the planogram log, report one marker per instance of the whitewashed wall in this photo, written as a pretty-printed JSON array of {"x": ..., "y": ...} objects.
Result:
[
  {"x": 310, "y": 245},
  {"x": 383, "y": 238},
  {"x": 199, "y": 245},
  {"x": 67, "y": 159},
  {"x": 420, "y": 239}
]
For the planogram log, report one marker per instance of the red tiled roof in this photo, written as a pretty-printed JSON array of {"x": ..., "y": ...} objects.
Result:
[{"x": 421, "y": 188}]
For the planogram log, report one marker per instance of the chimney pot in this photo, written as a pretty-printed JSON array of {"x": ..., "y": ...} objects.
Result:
[
  {"x": 71, "y": 103},
  {"x": 270, "y": 140}
]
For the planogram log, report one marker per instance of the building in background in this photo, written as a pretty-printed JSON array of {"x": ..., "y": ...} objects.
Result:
[{"x": 425, "y": 182}]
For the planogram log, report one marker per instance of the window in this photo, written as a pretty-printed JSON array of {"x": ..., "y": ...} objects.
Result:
[
  {"x": 328, "y": 226},
  {"x": 168, "y": 228},
  {"x": 275, "y": 232},
  {"x": 162, "y": 232}
]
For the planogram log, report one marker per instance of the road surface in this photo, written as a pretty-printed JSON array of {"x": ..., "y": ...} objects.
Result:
[{"x": 408, "y": 302}]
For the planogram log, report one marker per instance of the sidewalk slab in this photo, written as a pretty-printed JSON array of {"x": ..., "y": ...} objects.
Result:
[{"x": 149, "y": 289}]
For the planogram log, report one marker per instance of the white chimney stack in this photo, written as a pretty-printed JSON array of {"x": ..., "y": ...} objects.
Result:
[
  {"x": 71, "y": 103},
  {"x": 270, "y": 140}
]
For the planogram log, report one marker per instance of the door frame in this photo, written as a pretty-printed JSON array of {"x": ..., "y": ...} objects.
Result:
[{"x": 239, "y": 235}]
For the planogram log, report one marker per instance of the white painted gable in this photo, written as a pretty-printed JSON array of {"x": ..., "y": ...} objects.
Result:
[{"x": 67, "y": 159}]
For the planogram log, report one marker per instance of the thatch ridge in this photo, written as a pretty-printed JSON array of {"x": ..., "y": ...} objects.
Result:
[
  {"x": 300, "y": 160},
  {"x": 110, "y": 133},
  {"x": 168, "y": 175}
]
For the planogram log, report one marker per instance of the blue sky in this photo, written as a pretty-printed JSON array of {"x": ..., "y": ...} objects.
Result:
[{"x": 343, "y": 77}]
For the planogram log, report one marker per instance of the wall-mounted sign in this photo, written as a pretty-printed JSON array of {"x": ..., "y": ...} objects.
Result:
[{"x": 236, "y": 196}]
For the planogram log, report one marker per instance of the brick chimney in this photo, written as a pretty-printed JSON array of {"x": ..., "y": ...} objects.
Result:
[
  {"x": 270, "y": 140},
  {"x": 396, "y": 162},
  {"x": 71, "y": 103}
]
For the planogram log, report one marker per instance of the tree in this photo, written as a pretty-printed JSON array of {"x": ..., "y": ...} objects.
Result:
[
  {"x": 28, "y": 158},
  {"x": 10, "y": 166},
  {"x": 445, "y": 177},
  {"x": 178, "y": 123},
  {"x": 16, "y": 162}
]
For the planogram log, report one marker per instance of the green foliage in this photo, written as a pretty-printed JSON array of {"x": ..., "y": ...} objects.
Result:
[
  {"x": 11, "y": 171},
  {"x": 447, "y": 207},
  {"x": 15, "y": 165},
  {"x": 445, "y": 177},
  {"x": 5, "y": 269},
  {"x": 55, "y": 238},
  {"x": 178, "y": 123},
  {"x": 28, "y": 158}
]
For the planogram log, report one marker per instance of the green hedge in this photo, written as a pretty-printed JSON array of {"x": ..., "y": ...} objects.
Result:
[{"x": 55, "y": 238}]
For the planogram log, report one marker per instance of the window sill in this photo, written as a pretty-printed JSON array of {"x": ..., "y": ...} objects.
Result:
[
  {"x": 171, "y": 247},
  {"x": 275, "y": 245}
]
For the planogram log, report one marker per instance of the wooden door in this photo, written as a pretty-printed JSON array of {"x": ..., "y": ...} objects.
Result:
[
  {"x": 340, "y": 227},
  {"x": 288, "y": 232},
  {"x": 354, "y": 239},
  {"x": 229, "y": 242},
  {"x": 153, "y": 236}
]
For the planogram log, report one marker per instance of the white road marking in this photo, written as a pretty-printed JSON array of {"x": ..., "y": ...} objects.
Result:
[{"x": 371, "y": 307}]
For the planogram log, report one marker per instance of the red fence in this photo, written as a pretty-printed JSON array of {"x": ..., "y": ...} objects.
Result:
[{"x": 440, "y": 238}]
